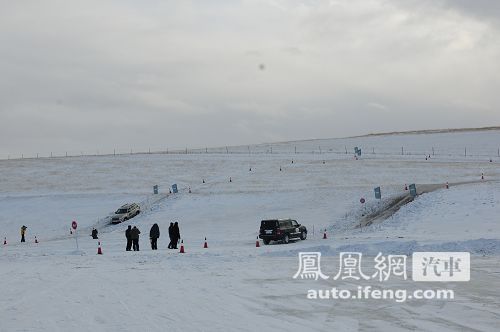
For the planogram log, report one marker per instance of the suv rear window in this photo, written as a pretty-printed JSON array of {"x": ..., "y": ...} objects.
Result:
[
  {"x": 120, "y": 211},
  {"x": 268, "y": 224}
]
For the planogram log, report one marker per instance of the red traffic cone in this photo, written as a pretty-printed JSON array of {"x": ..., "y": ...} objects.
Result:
[
  {"x": 70, "y": 231},
  {"x": 36, "y": 240},
  {"x": 482, "y": 176},
  {"x": 182, "y": 247},
  {"x": 447, "y": 186},
  {"x": 324, "y": 235},
  {"x": 257, "y": 243},
  {"x": 205, "y": 245},
  {"x": 189, "y": 189},
  {"x": 230, "y": 179},
  {"x": 4, "y": 241},
  {"x": 406, "y": 187},
  {"x": 99, "y": 250}
]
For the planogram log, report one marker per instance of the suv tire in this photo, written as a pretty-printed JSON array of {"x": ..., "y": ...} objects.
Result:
[
  {"x": 303, "y": 235},
  {"x": 286, "y": 239},
  {"x": 266, "y": 241}
]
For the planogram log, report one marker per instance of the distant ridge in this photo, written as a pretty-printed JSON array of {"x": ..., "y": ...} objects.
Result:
[
  {"x": 429, "y": 131},
  {"x": 409, "y": 132}
]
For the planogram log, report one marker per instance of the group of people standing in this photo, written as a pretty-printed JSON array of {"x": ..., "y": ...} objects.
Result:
[{"x": 132, "y": 235}]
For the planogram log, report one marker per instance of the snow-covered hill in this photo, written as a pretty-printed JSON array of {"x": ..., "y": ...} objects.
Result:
[{"x": 232, "y": 285}]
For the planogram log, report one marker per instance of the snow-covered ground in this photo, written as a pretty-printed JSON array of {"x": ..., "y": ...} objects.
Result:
[{"x": 232, "y": 285}]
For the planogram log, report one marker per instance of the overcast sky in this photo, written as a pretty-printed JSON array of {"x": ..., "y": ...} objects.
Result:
[{"x": 96, "y": 75}]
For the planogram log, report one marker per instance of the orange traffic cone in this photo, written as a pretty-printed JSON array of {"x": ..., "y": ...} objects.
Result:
[
  {"x": 230, "y": 179},
  {"x": 189, "y": 189},
  {"x": 406, "y": 187},
  {"x": 99, "y": 250},
  {"x": 324, "y": 235},
  {"x": 205, "y": 245},
  {"x": 482, "y": 176},
  {"x": 70, "y": 231},
  {"x": 182, "y": 247},
  {"x": 257, "y": 243},
  {"x": 4, "y": 241},
  {"x": 447, "y": 185},
  {"x": 36, "y": 240}
]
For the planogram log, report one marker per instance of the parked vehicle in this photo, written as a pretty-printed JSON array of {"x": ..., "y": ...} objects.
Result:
[
  {"x": 281, "y": 230},
  {"x": 125, "y": 212}
]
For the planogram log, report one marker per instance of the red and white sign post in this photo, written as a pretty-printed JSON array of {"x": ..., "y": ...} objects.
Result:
[
  {"x": 362, "y": 201},
  {"x": 74, "y": 225}
]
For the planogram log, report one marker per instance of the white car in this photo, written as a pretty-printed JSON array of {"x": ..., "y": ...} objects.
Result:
[{"x": 125, "y": 212}]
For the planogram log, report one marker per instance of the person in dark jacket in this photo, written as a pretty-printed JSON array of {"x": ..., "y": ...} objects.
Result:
[
  {"x": 154, "y": 234},
  {"x": 177, "y": 234},
  {"x": 134, "y": 235},
  {"x": 23, "y": 233},
  {"x": 129, "y": 238},
  {"x": 171, "y": 235},
  {"x": 94, "y": 234}
]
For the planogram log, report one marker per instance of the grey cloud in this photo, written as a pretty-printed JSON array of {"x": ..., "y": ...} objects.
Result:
[{"x": 99, "y": 75}]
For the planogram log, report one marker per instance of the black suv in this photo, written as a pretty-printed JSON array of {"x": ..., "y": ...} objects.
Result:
[{"x": 281, "y": 230}]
